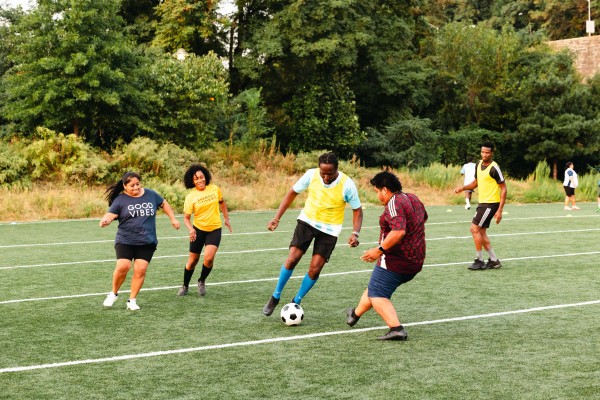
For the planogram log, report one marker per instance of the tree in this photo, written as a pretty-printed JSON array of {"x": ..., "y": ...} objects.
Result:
[
  {"x": 406, "y": 142},
  {"x": 189, "y": 24},
  {"x": 473, "y": 64},
  {"x": 301, "y": 55},
  {"x": 192, "y": 98},
  {"x": 75, "y": 71},
  {"x": 556, "y": 125},
  {"x": 140, "y": 19}
]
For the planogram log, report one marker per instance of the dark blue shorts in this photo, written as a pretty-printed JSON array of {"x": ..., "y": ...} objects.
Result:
[
  {"x": 204, "y": 238},
  {"x": 133, "y": 252},
  {"x": 383, "y": 283}
]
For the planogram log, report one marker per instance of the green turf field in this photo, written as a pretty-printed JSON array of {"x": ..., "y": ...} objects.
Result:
[{"x": 529, "y": 330}]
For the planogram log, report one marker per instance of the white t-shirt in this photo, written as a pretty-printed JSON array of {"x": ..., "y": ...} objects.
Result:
[
  {"x": 468, "y": 170},
  {"x": 571, "y": 178}
]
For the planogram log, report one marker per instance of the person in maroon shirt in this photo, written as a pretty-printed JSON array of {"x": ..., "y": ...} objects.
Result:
[{"x": 400, "y": 254}]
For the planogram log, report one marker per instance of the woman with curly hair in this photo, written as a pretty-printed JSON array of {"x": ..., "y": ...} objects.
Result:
[{"x": 204, "y": 203}]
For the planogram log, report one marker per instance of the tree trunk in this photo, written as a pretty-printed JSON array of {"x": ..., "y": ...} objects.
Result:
[
  {"x": 76, "y": 127},
  {"x": 554, "y": 169}
]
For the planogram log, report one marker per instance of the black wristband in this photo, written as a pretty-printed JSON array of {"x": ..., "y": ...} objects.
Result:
[{"x": 382, "y": 249}]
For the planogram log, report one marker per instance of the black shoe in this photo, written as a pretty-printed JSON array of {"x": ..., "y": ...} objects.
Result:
[
  {"x": 351, "y": 320},
  {"x": 395, "y": 335},
  {"x": 270, "y": 306},
  {"x": 493, "y": 264},
  {"x": 477, "y": 264}
]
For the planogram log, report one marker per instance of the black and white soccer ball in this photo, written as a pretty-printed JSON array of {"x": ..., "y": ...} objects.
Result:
[{"x": 292, "y": 314}]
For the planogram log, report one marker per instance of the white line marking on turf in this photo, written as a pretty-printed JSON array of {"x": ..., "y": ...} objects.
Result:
[
  {"x": 293, "y": 277},
  {"x": 285, "y": 339},
  {"x": 223, "y": 252},
  {"x": 278, "y": 231}
]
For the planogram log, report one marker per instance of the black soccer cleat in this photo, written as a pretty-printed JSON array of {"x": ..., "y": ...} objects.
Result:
[
  {"x": 351, "y": 320},
  {"x": 395, "y": 335},
  {"x": 492, "y": 264},
  {"x": 477, "y": 264},
  {"x": 270, "y": 306}
]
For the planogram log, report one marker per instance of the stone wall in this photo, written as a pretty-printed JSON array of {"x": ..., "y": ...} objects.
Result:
[{"x": 587, "y": 53}]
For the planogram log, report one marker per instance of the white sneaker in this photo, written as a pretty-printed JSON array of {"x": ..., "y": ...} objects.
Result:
[
  {"x": 567, "y": 208},
  {"x": 132, "y": 305},
  {"x": 110, "y": 299},
  {"x": 467, "y": 206},
  {"x": 575, "y": 208}
]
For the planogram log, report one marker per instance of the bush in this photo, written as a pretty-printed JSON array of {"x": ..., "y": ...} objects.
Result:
[
  {"x": 13, "y": 166},
  {"x": 166, "y": 162},
  {"x": 64, "y": 157}
]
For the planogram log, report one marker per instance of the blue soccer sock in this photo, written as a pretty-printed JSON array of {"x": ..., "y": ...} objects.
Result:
[
  {"x": 284, "y": 276},
  {"x": 307, "y": 284}
]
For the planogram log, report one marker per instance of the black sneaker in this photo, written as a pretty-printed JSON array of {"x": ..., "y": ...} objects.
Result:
[
  {"x": 395, "y": 335},
  {"x": 477, "y": 264},
  {"x": 493, "y": 264},
  {"x": 270, "y": 306},
  {"x": 351, "y": 320}
]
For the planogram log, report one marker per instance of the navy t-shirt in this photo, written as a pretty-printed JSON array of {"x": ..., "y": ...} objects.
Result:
[{"x": 137, "y": 217}]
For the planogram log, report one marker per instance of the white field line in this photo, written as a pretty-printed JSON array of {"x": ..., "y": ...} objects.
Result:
[
  {"x": 269, "y": 232},
  {"x": 462, "y": 263},
  {"x": 286, "y": 248},
  {"x": 286, "y": 339}
]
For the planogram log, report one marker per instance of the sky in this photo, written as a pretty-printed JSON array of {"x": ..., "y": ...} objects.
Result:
[{"x": 15, "y": 3}]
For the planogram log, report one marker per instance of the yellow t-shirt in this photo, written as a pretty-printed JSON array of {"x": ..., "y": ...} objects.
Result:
[{"x": 204, "y": 206}]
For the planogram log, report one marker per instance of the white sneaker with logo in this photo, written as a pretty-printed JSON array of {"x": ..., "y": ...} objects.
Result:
[
  {"x": 110, "y": 299},
  {"x": 132, "y": 305}
]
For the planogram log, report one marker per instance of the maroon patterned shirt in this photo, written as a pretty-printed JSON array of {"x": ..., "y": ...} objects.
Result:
[{"x": 404, "y": 212}]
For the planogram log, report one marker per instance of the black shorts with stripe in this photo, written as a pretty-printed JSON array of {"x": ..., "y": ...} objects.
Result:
[{"x": 485, "y": 213}]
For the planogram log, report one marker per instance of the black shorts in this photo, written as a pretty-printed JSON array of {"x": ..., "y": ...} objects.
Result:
[
  {"x": 485, "y": 213},
  {"x": 569, "y": 191},
  {"x": 303, "y": 236},
  {"x": 133, "y": 252},
  {"x": 205, "y": 238}
]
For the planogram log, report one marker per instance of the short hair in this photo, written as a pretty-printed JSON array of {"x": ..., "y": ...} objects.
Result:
[
  {"x": 388, "y": 180},
  {"x": 568, "y": 165},
  {"x": 328, "y": 158},
  {"x": 489, "y": 145},
  {"x": 188, "y": 178}
]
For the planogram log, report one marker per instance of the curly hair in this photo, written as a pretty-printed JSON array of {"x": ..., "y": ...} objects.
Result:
[{"x": 188, "y": 178}]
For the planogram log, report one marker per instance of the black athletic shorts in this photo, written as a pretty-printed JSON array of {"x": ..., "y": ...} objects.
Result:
[
  {"x": 303, "y": 236},
  {"x": 204, "y": 238},
  {"x": 133, "y": 252},
  {"x": 569, "y": 191},
  {"x": 485, "y": 213}
]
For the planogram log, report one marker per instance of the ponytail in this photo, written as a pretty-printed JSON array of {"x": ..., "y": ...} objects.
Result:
[{"x": 117, "y": 188}]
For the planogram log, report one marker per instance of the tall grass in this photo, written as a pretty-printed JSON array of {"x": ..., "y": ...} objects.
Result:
[{"x": 251, "y": 178}]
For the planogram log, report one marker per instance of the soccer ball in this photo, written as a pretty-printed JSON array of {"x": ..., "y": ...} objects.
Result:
[{"x": 292, "y": 314}]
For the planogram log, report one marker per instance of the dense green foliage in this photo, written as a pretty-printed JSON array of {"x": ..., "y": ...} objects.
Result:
[{"x": 394, "y": 83}]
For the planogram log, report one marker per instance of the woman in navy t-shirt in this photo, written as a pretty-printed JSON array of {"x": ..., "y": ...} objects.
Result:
[{"x": 135, "y": 208}]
